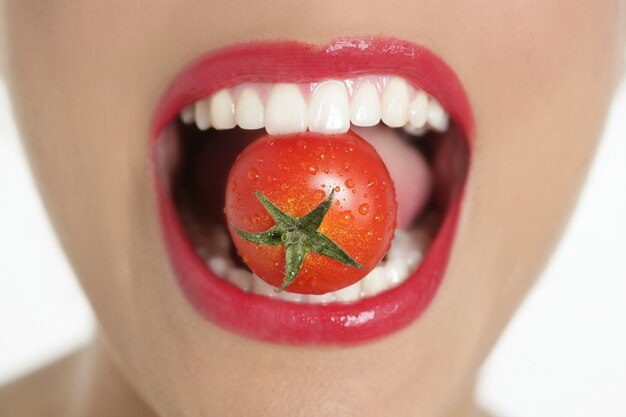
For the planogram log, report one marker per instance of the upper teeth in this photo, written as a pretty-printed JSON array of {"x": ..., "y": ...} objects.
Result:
[{"x": 326, "y": 107}]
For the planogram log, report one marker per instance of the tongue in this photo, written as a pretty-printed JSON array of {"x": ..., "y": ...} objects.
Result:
[{"x": 408, "y": 169}]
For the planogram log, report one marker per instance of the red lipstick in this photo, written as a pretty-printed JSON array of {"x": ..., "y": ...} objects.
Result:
[{"x": 279, "y": 321}]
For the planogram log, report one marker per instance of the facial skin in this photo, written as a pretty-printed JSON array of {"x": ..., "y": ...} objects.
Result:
[{"x": 85, "y": 77}]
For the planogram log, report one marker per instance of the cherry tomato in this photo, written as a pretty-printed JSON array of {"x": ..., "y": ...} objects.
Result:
[{"x": 310, "y": 213}]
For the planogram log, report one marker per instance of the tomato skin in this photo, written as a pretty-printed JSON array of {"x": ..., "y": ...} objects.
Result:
[{"x": 297, "y": 172}]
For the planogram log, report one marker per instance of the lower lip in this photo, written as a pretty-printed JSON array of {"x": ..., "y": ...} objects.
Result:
[{"x": 278, "y": 321}]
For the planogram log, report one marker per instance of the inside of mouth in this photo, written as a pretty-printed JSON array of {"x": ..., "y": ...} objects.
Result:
[{"x": 194, "y": 165}]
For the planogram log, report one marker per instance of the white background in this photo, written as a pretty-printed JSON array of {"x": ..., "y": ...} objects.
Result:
[{"x": 564, "y": 354}]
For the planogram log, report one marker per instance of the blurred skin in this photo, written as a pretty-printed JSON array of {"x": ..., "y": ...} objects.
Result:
[{"x": 85, "y": 76}]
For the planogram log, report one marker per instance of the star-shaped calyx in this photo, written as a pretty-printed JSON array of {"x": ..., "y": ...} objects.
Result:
[{"x": 299, "y": 236}]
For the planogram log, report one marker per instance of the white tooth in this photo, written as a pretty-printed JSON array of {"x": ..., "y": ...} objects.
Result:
[
  {"x": 414, "y": 131},
  {"x": 329, "y": 111},
  {"x": 437, "y": 117},
  {"x": 396, "y": 270},
  {"x": 405, "y": 249},
  {"x": 401, "y": 240},
  {"x": 413, "y": 258},
  {"x": 351, "y": 293},
  {"x": 320, "y": 299},
  {"x": 221, "y": 266},
  {"x": 285, "y": 111},
  {"x": 222, "y": 110},
  {"x": 261, "y": 287},
  {"x": 395, "y": 108},
  {"x": 418, "y": 110},
  {"x": 187, "y": 114},
  {"x": 202, "y": 114},
  {"x": 240, "y": 277},
  {"x": 291, "y": 297},
  {"x": 365, "y": 106},
  {"x": 374, "y": 282},
  {"x": 249, "y": 110}
]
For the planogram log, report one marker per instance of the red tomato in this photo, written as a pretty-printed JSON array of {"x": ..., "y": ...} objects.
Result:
[{"x": 340, "y": 175}]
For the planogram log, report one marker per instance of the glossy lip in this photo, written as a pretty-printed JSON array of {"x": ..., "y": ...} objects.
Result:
[{"x": 286, "y": 61}]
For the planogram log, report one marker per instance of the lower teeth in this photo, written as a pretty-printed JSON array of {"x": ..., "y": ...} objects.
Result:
[{"x": 403, "y": 258}]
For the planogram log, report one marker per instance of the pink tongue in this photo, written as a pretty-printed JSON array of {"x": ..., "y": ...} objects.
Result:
[{"x": 408, "y": 169}]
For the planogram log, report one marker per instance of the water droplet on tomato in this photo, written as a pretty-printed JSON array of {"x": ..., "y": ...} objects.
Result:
[
  {"x": 284, "y": 186},
  {"x": 337, "y": 189},
  {"x": 371, "y": 182},
  {"x": 253, "y": 174},
  {"x": 260, "y": 159},
  {"x": 346, "y": 216},
  {"x": 302, "y": 143},
  {"x": 318, "y": 194},
  {"x": 350, "y": 183},
  {"x": 309, "y": 168},
  {"x": 346, "y": 166},
  {"x": 364, "y": 208},
  {"x": 378, "y": 217},
  {"x": 325, "y": 170}
]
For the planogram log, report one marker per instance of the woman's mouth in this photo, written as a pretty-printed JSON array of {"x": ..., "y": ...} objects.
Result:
[{"x": 400, "y": 97}]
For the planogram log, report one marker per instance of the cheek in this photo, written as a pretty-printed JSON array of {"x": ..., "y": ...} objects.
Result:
[
  {"x": 541, "y": 80},
  {"x": 540, "y": 84},
  {"x": 546, "y": 57},
  {"x": 70, "y": 78}
]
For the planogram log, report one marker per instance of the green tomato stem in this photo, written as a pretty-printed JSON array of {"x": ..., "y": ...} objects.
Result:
[{"x": 299, "y": 236}]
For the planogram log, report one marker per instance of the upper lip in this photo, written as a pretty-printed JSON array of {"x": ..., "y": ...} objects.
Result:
[{"x": 289, "y": 61}]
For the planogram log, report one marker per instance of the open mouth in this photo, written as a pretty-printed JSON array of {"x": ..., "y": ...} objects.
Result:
[{"x": 401, "y": 98}]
